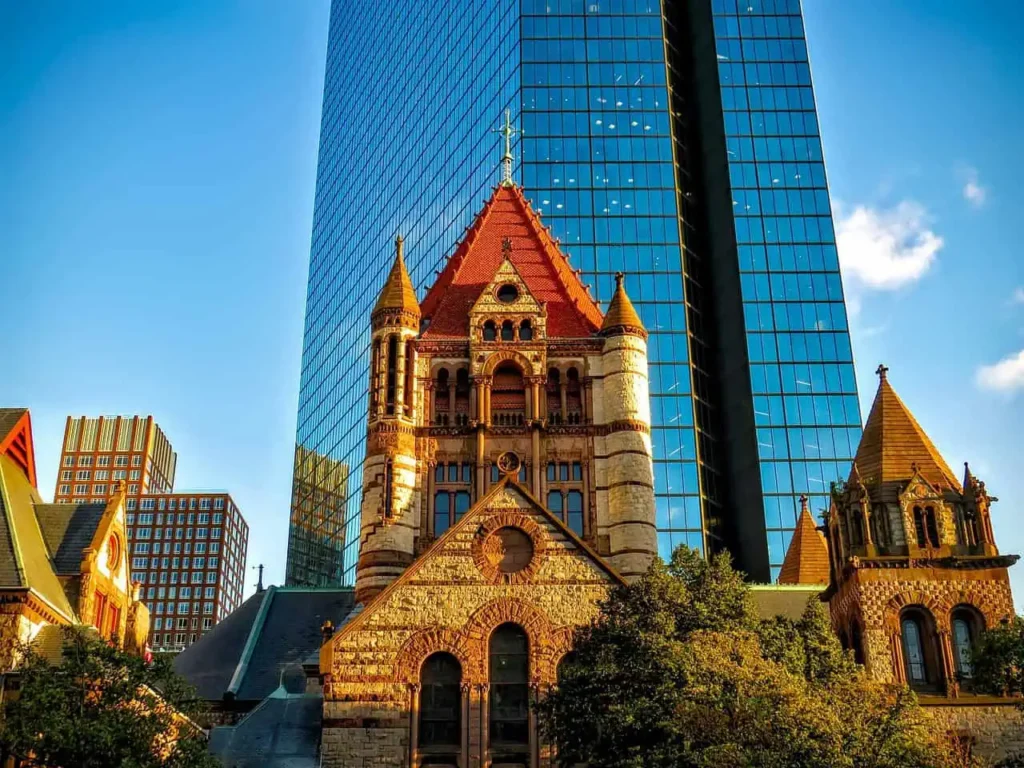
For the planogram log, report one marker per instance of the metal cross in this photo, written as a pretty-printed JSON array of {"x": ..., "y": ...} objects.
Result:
[{"x": 506, "y": 159}]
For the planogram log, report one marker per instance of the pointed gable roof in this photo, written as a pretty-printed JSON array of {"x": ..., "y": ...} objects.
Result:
[
  {"x": 24, "y": 558},
  {"x": 398, "y": 291},
  {"x": 893, "y": 443},
  {"x": 572, "y": 313},
  {"x": 16, "y": 439},
  {"x": 807, "y": 557}
]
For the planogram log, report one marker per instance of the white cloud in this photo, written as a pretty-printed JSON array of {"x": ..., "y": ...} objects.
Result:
[
  {"x": 1018, "y": 295},
  {"x": 886, "y": 249},
  {"x": 974, "y": 192},
  {"x": 1005, "y": 376}
]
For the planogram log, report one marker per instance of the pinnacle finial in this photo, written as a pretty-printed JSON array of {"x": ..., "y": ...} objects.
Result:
[
  {"x": 506, "y": 248},
  {"x": 507, "y": 132},
  {"x": 619, "y": 277},
  {"x": 400, "y": 245},
  {"x": 803, "y": 504},
  {"x": 882, "y": 372}
]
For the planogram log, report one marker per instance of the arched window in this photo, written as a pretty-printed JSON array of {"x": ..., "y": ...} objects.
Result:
[
  {"x": 490, "y": 331},
  {"x": 374, "y": 373},
  {"x": 461, "y": 504},
  {"x": 573, "y": 397},
  {"x": 410, "y": 378},
  {"x": 919, "y": 654},
  {"x": 525, "y": 331},
  {"x": 857, "y": 642},
  {"x": 508, "y": 331},
  {"x": 508, "y": 396},
  {"x": 925, "y": 528},
  {"x": 509, "y": 689},
  {"x": 555, "y": 502},
  {"x": 442, "y": 517},
  {"x": 554, "y": 398},
  {"x": 462, "y": 397},
  {"x": 574, "y": 511},
  {"x": 931, "y": 527},
  {"x": 442, "y": 398},
  {"x": 880, "y": 525},
  {"x": 392, "y": 374},
  {"x": 440, "y": 702},
  {"x": 389, "y": 498},
  {"x": 967, "y": 625}
]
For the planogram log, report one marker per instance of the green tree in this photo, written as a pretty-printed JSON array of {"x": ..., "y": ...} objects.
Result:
[
  {"x": 998, "y": 659},
  {"x": 678, "y": 671},
  {"x": 100, "y": 707}
]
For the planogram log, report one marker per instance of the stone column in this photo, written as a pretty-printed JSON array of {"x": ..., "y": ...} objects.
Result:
[
  {"x": 484, "y": 715},
  {"x": 563, "y": 388},
  {"x": 414, "y": 725},
  {"x": 532, "y": 727},
  {"x": 430, "y": 402},
  {"x": 480, "y": 469},
  {"x": 535, "y": 438},
  {"x": 588, "y": 530},
  {"x": 464, "y": 722},
  {"x": 585, "y": 398},
  {"x": 451, "y": 398},
  {"x": 429, "y": 506},
  {"x": 947, "y": 664},
  {"x": 399, "y": 376},
  {"x": 529, "y": 403}
]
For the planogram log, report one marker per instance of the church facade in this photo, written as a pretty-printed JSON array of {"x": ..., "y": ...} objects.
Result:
[{"x": 507, "y": 485}]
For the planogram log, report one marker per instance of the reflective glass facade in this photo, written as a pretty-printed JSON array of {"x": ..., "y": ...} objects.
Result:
[
  {"x": 801, "y": 364},
  {"x": 602, "y": 90}
]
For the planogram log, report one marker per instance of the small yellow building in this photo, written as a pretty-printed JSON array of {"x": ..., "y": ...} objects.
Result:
[{"x": 60, "y": 564}]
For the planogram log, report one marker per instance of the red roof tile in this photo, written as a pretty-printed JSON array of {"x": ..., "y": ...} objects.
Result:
[
  {"x": 572, "y": 313},
  {"x": 807, "y": 557}
]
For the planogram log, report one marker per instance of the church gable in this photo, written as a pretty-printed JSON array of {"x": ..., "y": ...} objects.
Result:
[
  {"x": 507, "y": 560},
  {"x": 552, "y": 281},
  {"x": 506, "y": 307}
]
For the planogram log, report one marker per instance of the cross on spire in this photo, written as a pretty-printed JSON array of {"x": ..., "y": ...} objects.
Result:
[{"x": 507, "y": 132}]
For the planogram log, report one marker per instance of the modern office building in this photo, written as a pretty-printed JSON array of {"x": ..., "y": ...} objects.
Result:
[
  {"x": 187, "y": 548},
  {"x": 674, "y": 141}
]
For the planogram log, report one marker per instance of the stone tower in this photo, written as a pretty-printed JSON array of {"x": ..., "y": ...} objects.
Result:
[
  {"x": 915, "y": 571},
  {"x": 626, "y": 440},
  {"x": 389, "y": 516}
]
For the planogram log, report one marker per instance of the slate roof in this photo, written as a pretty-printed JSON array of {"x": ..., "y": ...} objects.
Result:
[
  {"x": 893, "y": 441},
  {"x": 572, "y": 313},
  {"x": 283, "y": 732},
  {"x": 24, "y": 555},
  {"x": 270, "y": 635},
  {"x": 789, "y": 600},
  {"x": 807, "y": 557},
  {"x": 9, "y": 418},
  {"x": 67, "y": 530}
]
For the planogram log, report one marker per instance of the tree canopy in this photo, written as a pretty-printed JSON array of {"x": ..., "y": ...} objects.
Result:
[
  {"x": 680, "y": 671},
  {"x": 98, "y": 707}
]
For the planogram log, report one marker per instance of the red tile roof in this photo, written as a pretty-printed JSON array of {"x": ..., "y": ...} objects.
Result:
[{"x": 572, "y": 313}]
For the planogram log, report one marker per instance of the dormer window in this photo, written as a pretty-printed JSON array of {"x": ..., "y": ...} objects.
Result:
[
  {"x": 490, "y": 331},
  {"x": 507, "y": 293},
  {"x": 525, "y": 331},
  {"x": 508, "y": 331}
]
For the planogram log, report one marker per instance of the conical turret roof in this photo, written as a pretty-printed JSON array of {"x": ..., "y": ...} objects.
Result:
[
  {"x": 807, "y": 557},
  {"x": 398, "y": 292},
  {"x": 894, "y": 445},
  {"x": 621, "y": 314}
]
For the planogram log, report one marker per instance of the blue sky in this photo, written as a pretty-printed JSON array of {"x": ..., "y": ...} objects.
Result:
[{"x": 157, "y": 169}]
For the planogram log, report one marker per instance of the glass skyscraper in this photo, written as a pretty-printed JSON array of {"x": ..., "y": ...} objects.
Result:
[{"x": 674, "y": 141}]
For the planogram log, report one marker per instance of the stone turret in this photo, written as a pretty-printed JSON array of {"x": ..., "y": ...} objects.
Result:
[
  {"x": 629, "y": 518},
  {"x": 390, "y": 506}
]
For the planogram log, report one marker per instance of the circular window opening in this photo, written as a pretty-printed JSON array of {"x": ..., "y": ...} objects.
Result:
[
  {"x": 507, "y": 293},
  {"x": 508, "y": 463},
  {"x": 113, "y": 552},
  {"x": 510, "y": 550}
]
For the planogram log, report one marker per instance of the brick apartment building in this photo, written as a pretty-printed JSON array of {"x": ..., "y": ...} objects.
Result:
[{"x": 187, "y": 548}]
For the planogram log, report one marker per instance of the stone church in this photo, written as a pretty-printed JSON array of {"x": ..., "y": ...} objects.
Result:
[{"x": 508, "y": 485}]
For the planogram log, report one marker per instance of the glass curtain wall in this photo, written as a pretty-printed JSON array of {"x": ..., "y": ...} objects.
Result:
[{"x": 801, "y": 364}]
